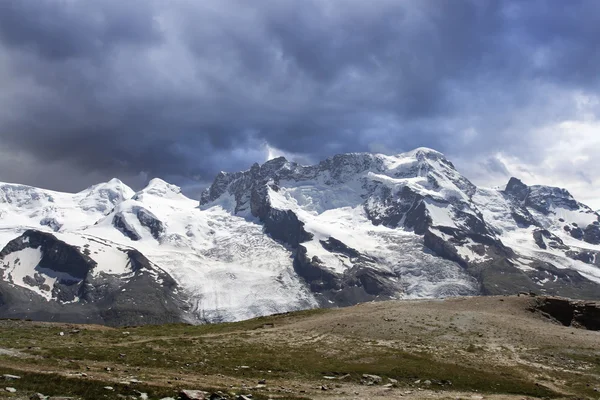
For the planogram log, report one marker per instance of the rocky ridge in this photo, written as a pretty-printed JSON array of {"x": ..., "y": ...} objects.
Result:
[{"x": 282, "y": 236}]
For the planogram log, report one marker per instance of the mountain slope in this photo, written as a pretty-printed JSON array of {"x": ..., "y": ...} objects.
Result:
[
  {"x": 282, "y": 236},
  {"x": 366, "y": 225}
]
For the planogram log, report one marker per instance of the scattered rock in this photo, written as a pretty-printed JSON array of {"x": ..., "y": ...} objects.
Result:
[
  {"x": 10, "y": 377},
  {"x": 138, "y": 393},
  {"x": 10, "y": 389},
  {"x": 323, "y": 387},
  {"x": 38, "y": 396},
  {"x": 244, "y": 397},
  {"x": 370, "y": 379},
  {"x": 262, "y": 382},
  {"x": 187, "y": 394},
  {"x": 108, "y": 388},
  {"x": 427, "y": 383},
  {"x": 108, "y": 369},
  {"x": 393, "y": 381},
  {"x": 329, "y": 377},
  {"x": 61, "y": 334}
]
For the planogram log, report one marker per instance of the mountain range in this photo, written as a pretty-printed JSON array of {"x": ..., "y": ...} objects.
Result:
[{"x": 282, "y": 236}]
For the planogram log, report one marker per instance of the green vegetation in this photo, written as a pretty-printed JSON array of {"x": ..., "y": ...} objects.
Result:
[
  {"x": 57, "y": 385},
  {"x": 164, "y": 356}
]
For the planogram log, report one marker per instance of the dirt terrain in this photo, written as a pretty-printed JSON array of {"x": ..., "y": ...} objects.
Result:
[{"x": 470, "y": 348}]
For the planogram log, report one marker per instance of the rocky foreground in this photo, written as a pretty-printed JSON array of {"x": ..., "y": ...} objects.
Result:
[{"x": 498, "y": 347}]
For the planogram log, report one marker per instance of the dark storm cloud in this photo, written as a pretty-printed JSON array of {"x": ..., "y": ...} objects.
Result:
[{"x": 184, "y": 89}]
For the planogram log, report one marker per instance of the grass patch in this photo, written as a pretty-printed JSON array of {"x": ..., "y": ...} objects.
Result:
[
  {"x": 172, "y": 350},
  {"x": 89, "y": 389},
  {"x": 58, "y": 385},
  {"x": 307, "y": 362}
]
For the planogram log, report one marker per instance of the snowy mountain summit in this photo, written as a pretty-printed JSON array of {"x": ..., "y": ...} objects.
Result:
[{"x": 282, "y": 236}]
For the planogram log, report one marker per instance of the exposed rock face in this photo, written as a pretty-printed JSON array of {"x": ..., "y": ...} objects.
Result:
[
  {"x": 580, "y": 314},
  {"x": 591, "y": 234},
  {"x": 546, "y": 200},
  {"x": 79, "y": 293},
  {"x": 149, "y": 220},
  {"x": 545, "y": 239},
  {"x": 336, "y": 246},
  {"x": 517, "y": 189},
  {"x": 283, "y": 236},
  {"x": 52, "y": 223},
  {"x": 144, "y": 217},
  {"x": 282, "y": 225},
  {"x": 443, "y": 208},
  {"x": 57, "y": 255},
  {"x": 355, "y": 285}
]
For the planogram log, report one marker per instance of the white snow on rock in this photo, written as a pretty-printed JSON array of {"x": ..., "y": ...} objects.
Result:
[
  {"x": 230, "y": 269},
  {"x": 22, "y": 269},
  {"x": 28, "y": 207}
]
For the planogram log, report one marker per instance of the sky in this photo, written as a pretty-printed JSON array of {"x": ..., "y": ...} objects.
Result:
[{"x": 182, "y": 89}]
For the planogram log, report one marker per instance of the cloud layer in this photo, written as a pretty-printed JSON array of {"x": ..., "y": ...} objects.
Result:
[{"x": 183, "y": 89}]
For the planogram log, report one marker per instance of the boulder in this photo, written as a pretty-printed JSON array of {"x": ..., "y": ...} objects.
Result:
[
  {"x": 188, "y": 394},
  {"x": 369, "y": 380}
]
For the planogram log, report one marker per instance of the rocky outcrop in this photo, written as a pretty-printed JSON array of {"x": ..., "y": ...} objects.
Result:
[
  {"x": 281, "y": 225},
  {"x": 336, "y": 246},
  {"x": 142, "y": 295},
  {"x": 405, "y": 207},
  {"x": 545, "y": 239},
  {"x": 579, "y": 314},
  {"x": 314, "y": 272},
  {"x": 144, "y": 217},
  {"x": 149, "y": 220},
  {"x": 517, "y": 190},
  {"x": 545, "y": 199},
  {"x": 591, "y": 233},
  {"x": 57, "y": 255},
  {"x": 52, "y": 223},
  {"x": 119, "y": 221},
  {"x": 359, "y": 283},
  {"x": 540, "y": 198}
]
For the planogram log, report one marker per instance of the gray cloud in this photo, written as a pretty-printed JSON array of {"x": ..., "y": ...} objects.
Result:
[{"x": 184, "y": 89}]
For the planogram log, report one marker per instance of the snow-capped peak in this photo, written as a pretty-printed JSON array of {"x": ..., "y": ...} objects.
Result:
[
  {"x": 424, "y": 151},
  {"x": 103, "y": 197},
  {"x": 354, "y": 227},
  {"x": 159, "y": 187}
]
